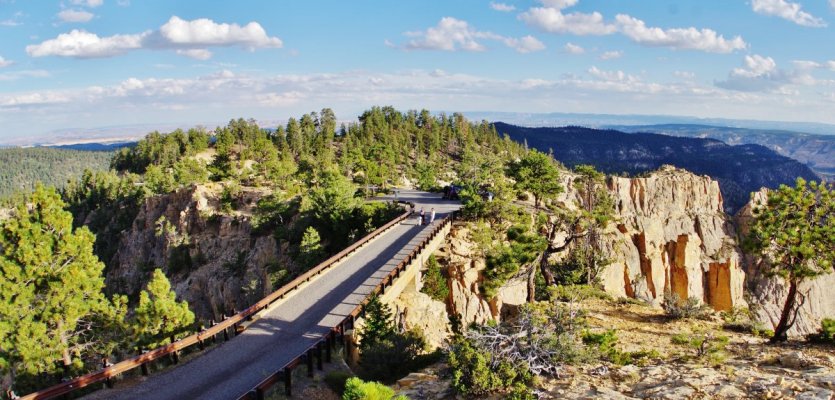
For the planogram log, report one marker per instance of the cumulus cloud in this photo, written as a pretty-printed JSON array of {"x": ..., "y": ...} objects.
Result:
[
  {"x": 70, "y": 15},
  {"x": 87, "y": 3},
  {"x": 82, "y": 44},
  {"x": 572, "y": 48},
  {"x": 189, "y": 38},
  {"x": 677, "y": 38},
  {"x": 611, "y": 55},
  {"x": 505, "y": 7},
  {"x": 4, "y": 62},
  {"x": 452, "y": 34},
  {"x": 552, "y": 19},
  {"x": 789, "y": 11},
  {"x": 760, "y": 73}
]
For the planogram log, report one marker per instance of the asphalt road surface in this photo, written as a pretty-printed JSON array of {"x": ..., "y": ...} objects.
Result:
[{"x": 233, "y": 368}]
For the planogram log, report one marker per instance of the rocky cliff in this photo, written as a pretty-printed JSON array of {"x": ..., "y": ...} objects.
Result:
[
  {"x": 670, "y": 235},
  {"x": 768, "y": 295},
  {"x": 212, "y": 259}
]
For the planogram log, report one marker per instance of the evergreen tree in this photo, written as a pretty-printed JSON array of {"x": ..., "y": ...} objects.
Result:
[
  {"x": 310, "y": 249},
  {"x": 795, "y": 233},
  {"x": 379, "y": 325},
  {"x": 159, "y": 316},
  {"x": 537, "y": 173},
  {"x": 50, "y": 288}
]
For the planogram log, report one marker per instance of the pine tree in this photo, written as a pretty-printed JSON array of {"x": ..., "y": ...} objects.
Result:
[
  {"x": 537, "y": 173},
  {"x": 310, "y": 249},
  {"x": 379, "y": 325},
  {"x": 50, "y": 288},
  {"x": 795, "y": 233},
  {"x": 159, "y": 316}
]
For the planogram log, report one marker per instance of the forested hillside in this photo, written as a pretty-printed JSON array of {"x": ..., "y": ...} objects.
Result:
[
  {"x": 22, "y": 168},
  {"x": 740, "y": 169}
]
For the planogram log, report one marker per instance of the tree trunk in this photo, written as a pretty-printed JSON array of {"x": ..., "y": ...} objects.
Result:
[
  {"x": 786, "y": 317},
  {"x": 532, "y": 284}
]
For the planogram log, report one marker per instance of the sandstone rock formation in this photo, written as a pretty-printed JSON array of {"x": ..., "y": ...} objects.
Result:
[
  {"x": 670, "y": 235},
  {"x": 768, "y": 295},
  {"x": 419, "y": 311},
  {"x": 212, "y": 259}
]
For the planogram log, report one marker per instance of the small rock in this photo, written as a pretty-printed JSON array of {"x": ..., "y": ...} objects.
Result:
[{"x": 796, "y": 360}]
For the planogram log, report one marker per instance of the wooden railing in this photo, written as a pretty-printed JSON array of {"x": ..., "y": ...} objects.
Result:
[
  {"x": 232, "y": 323},
  {"x": 328, "y": 340}
]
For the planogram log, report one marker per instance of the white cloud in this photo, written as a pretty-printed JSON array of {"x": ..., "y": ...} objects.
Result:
[
  {"x": 526, "y": 44},
  {"x": 559, "y": 4},
  {"x": 760, "y": 74},
  {"x": 677, "y": 38},
  {"x": 789, "y": 11},
  {"x": 205, "y": 32},
  {"x": 452, "y": 34},
  {"x": 505, "y": 7},
  {"x": 611, "y": 55},
  {"x": 831, "y": 64},
  {"x": 87, "y": 3},
  {"x": 572, "y": 48},
  {"x": 685, "y": 75},
  {"x": 612, "y": 76},
  {"x": 82, "y": 44},
  {"x": 70, "y": 15},
  {"x": 189, "y": 38},
  {"x": 29, "y": 73},
  {"x": 197, "y": 54},
  {"x": 4, "y": 62},
  {"x": 552, "y": 20}
]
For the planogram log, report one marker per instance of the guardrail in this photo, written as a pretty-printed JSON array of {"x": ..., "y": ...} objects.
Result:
[
  {"x": 327, "y": 341},
  {"x": 106, "y": 374}
]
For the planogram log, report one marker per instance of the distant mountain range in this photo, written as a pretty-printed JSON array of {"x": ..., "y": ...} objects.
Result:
[
  {"x": 739, "y": 169},
  {"x": 816, "y": 151}
]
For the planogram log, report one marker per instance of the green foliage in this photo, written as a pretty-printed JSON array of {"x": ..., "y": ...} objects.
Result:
[
  {"x": 577, "y": 293},
  {"x": 310, "y": 249},
  {"x": 826, "y": 334},
  {"x": 386, "y": 354},
  {"x": 51, "y": 284},
  {"x": 435, "y": 282},
  {"x": 677, "y": 308},
  {"x": 605, "y": 345},
  {"x": 707, "y": 345},
  {"x": 230, "y": 197},
  {"x": 23, "y": 168},
  {"x": 537, "y": 173},
  {"x": 190, "y": 171},
  {"x": 476, "y": 372},
  {"x": 162, "y": 150},
  {"x": 794, "y": 232},
  {"x": 159, "y": 180},
  {"x": 505, "y": 261},
  {"x": 357, "y": 389},
  {"x": 740, "y": 319},
  {"x": 159, "y": 316}
]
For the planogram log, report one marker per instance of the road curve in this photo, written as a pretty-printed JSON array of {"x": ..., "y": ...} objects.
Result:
[{"x": 232, "y": 368}]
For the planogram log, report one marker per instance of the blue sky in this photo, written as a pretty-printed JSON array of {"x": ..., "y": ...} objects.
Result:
[{"x": 77, "y": 65}]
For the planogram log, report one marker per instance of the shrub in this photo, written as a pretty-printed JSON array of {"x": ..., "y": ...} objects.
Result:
[
  {"x": 357, "y": 389},
  {"x": 477, "y": 372},
  {"x": 577, "y": 293},
  {"x": 740, "y": 319},
  {"x": 336, "y": 380},
  {"x": 705, "y": 344},
  {"x": 677, "y": 308},
  {"x": 826, "y": 333},
  {"x": 605, "y": 347},
  {"x": 435, "y": 282}
]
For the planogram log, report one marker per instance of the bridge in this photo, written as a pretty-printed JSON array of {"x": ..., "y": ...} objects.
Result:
[{"x": 292, "y": 326}]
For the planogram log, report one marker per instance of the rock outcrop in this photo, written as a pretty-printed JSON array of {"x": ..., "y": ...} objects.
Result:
[
  {"x": 212, "y": 259},
  {"x": 670, "y": 235},
  {"x": 768, "y": 294},
  {"x": 416, "y": 310}
]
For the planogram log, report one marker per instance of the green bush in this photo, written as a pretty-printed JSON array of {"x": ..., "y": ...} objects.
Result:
[
  {"x": 704, "y": 344},
  {"x": 357, "y": 389},
  {"x": 604, "y": 344},
  {"x": 336, "y": 380},
  {"x": 435, "y": 282},
  {"x": 826, "y": 333},
  {"x": 677, "y": 308},
  {"x": 476, "y": 373}
]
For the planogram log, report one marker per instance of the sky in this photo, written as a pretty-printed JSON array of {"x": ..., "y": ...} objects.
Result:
[{"x": 76, "y": 65}]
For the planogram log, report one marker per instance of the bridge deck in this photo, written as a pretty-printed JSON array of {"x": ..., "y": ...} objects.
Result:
[{"x": 287, "y": 330}]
